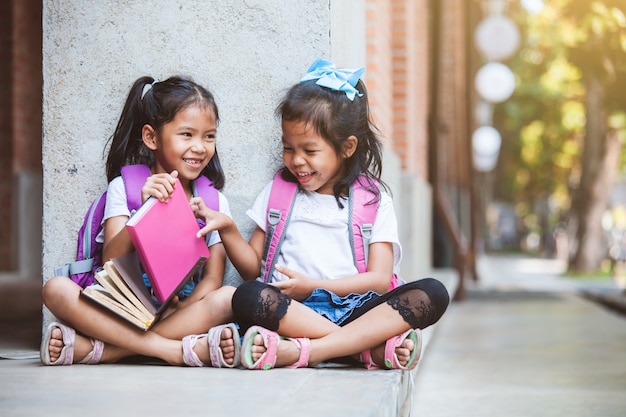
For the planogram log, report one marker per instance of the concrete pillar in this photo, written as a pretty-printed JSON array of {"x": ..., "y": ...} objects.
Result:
[{"x": 246, "y": 53}]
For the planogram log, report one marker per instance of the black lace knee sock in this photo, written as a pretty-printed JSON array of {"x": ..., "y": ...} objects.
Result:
[
  {"x": 420, "y": 303},
  {"x": 256, "y": 303}
]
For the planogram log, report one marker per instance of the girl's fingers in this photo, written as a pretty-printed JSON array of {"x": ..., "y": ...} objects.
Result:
[
  {"x": 203, "y": 232},
  {"x": 160, "y": 186},
  {"x": 285, "y": 271},
  {"x": 198, "y": 202}
]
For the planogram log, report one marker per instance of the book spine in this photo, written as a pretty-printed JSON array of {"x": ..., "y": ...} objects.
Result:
[{"x": 190, "y": 274}]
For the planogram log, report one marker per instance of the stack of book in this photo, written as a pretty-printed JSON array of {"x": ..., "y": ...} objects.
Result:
[{"x": 164, "y": 237}]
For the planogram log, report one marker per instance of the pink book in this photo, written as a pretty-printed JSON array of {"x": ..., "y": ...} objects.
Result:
[{"x": 164, "y": 236}]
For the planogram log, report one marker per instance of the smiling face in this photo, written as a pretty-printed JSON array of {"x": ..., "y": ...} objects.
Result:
[
  {"x": 311, "y": 159},
  {"x": 185, "y": 144}
]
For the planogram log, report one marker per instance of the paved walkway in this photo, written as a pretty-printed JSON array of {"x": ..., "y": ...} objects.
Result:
[{"x": 524, "y": 343}]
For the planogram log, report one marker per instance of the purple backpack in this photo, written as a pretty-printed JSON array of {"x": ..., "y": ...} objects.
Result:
[
  {"x": 89, "y": 252},
  {"x": 361, "y": 215}
]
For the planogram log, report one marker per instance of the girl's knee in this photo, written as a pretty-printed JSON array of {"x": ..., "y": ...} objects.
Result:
[
  {"x": 220, "y": 299},
  {"x": 257, "y": 303},
  {"x": 56, "y": 289},
  {"x": 421, "y": 303},
  {"x": 247, "y": 294},
  {"x": 436, "y": 291},
  {"x": 224, "y": 293}
]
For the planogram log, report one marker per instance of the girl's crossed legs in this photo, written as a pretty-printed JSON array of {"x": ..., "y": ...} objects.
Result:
[
  {"x": 122, "y": 339},
  {"x": 415, "y": 305}
]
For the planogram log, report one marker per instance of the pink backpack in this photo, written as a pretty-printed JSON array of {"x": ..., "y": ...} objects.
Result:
[
  {"x": 361, "y": 215},
  {"x": 89, "y": 252}
]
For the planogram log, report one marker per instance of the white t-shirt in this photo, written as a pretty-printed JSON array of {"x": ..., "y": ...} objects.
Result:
[
  {"x": 116, "y": 205},
  {"x": 317, "y": 241}
]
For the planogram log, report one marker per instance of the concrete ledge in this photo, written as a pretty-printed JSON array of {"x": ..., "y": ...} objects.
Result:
[
  {"x": 132, "y": 388},
  {"x": 29, "y": 388}
]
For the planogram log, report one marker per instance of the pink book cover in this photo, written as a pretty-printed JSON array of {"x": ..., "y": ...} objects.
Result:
[{"x": 164, "y": 237}]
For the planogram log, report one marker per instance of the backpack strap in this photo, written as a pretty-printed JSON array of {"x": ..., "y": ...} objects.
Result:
[
  {"x": 203, "y": 187},
  {"x": 362, "y": 214},
  {"x": 134, "y": 177},
  {"x": 282, "y": 198},
  {"x": 89, "y": 251},
  {"x": 362, "y": 210}
]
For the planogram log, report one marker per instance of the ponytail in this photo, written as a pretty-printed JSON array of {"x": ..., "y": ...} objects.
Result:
[{"x": 126, "y": 143}]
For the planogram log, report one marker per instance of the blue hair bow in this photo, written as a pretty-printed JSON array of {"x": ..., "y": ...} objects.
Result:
[{"x": 327, "y": 75}]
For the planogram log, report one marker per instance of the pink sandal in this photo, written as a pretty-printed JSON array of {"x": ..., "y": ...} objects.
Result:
[
  {"x": 270, "y": 341},
  {"x": 391, "y": 359},
  {"x": 213, "y": 339},
  {"x": 67, "y": 353}
]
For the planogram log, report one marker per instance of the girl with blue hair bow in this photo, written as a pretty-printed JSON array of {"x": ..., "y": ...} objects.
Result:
[{"x": 316, "y": 305}]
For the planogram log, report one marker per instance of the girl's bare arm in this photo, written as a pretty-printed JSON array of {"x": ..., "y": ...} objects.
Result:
[
  {"x": 245, "y": 256},
  {"x": 116, "y": 238},
  {"x": 376, "y": 278},
  {"x": 213, "y": 276}
]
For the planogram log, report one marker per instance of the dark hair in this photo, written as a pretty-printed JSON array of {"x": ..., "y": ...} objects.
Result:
[
  {"x": 156, "y": 104},
  {"x": 335, "y": 118}
]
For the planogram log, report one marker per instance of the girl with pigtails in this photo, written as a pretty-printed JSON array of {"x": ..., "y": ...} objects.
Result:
[{"x": 169, "y": 126}]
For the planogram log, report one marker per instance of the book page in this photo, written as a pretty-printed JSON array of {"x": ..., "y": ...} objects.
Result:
[
  {"x": 128, "y": 268},
  {"x": 101, "y": 296},
  {"x": 112, "y": 285}
]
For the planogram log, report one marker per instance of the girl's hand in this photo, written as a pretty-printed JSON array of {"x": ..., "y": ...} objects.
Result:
[
  {"x": 159, "y": 186},
  {"x": 214, "y": 219},
  {"x": 298, "y": 286}
]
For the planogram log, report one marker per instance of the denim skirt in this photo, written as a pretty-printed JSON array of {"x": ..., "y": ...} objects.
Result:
[{"x": 335, "y": 308}]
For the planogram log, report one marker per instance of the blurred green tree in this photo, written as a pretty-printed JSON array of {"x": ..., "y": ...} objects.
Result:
[{"x": 564, "y": 126}]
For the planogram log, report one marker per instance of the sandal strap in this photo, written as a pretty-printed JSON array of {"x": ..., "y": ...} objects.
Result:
[
  {"x": 66, "y": 357},
  {"x": 95, "y": 355},
  {"x": 391, "y": 359},
  {"x": 215, "y": 352},
  {"x": 305, "y": 349},
  {"x": 270, "y": 341},
  {"x": 366, "y": 358},
  {"x": 189, "y": 356}
]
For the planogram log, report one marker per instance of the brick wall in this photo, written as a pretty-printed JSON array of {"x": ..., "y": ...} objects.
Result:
[
  {"x": 6, "y": 171},
  {"x": 399, "y": 38},
  {"x": 410, "y": 41},
  {"x": 397, "y": 77},
  {"x": 378, "y": 75}
]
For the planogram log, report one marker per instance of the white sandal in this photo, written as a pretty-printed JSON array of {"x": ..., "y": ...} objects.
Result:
[
  {"x": 67, "y": 352},
  {"x": 213, "y": 339}
]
